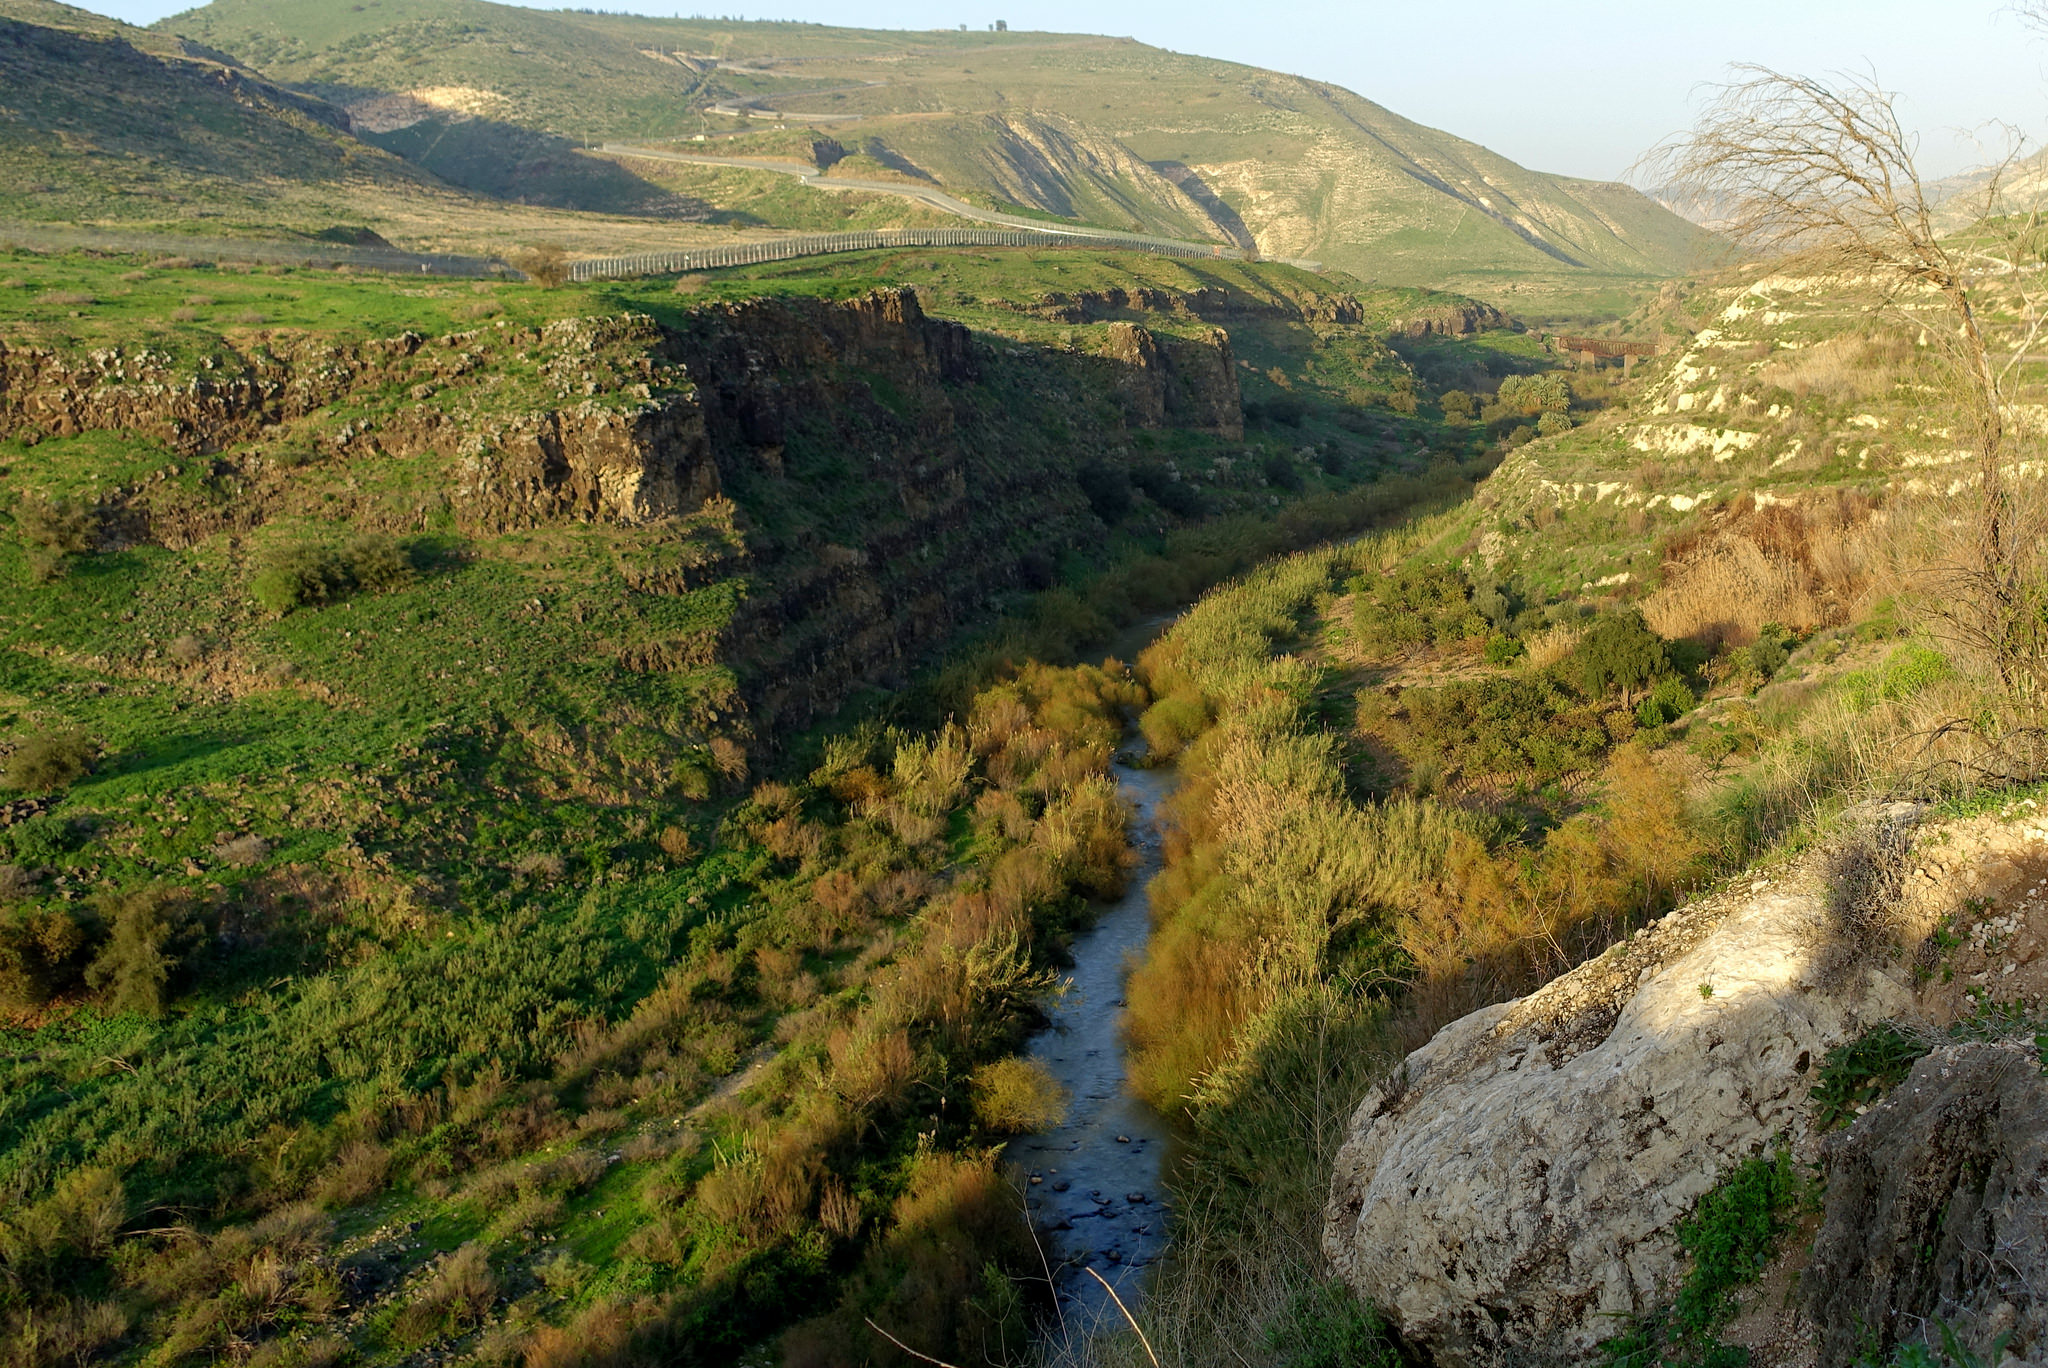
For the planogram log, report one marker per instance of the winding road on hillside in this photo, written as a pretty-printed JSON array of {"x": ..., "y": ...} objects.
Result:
[{"x": 922, "y": 194}]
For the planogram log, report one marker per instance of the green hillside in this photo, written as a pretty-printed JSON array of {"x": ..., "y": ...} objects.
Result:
[{"x": 1099, "y": 130}]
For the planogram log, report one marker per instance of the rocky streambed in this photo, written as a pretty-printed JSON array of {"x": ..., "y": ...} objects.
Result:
[{"x": 1094, "y": 1180}]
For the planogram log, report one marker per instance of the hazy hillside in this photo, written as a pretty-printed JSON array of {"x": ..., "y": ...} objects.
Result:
[{"x": 1102, "y": 130}]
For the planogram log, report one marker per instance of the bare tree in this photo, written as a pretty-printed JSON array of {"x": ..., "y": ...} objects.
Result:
[{"x": 1821, "y": 177}]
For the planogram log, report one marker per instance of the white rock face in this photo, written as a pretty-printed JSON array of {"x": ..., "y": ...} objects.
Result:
[{"x": 1515, "y": 1188}]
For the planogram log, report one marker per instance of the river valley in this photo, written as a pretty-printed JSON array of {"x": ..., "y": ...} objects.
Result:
[{"x": 1094, "y": 1180}]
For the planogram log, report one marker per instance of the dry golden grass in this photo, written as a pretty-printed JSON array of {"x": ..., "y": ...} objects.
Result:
[
  {"x": 1799, "y": 566},
  {"x": 1548, "y": 647}
]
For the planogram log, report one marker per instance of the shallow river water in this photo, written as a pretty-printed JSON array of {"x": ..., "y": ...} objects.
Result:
[{"x": 1093, "y": 1181}]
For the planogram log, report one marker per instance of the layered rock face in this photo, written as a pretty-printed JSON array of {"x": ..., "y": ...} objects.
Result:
[
  {"x": 882, "y": 474},
  {"x": 1181, "y": 382},
  {"x": 1513, "y": 1189},
  {"x": 591, "y": 463}
]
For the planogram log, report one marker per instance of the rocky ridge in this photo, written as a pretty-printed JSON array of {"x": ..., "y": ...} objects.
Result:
[{"x": 1514, "y": 1188}]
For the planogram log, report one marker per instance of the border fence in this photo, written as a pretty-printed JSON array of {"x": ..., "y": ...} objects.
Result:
[
  {"x": 42, "y": 237},
  {"x": 819, "y": 244}
]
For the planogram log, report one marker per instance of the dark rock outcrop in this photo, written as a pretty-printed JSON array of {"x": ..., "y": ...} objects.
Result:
[
  {"x": 1175, "y": 381},
  {"x": 1453, "y": 318},
  {"x": 1937, "y": 1213}
]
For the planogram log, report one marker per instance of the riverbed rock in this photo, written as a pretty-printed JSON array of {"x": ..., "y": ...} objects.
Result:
[{"x": 1514, "y": 1187}]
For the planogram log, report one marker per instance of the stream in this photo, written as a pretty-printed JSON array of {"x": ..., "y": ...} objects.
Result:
[{"x": 1094, "y": 1180}]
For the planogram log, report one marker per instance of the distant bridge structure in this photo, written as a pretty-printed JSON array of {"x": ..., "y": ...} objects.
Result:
[{"x": 1592, "y": 350}]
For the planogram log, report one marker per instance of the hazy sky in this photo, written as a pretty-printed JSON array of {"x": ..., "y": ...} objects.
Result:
[{"x": 1579, "y": 89}]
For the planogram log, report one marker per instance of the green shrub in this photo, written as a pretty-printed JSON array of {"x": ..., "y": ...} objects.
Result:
[
  {"x": 1856, "y": 1074},
  {"x": 1497, "y": 603},
  {"x": 1281, "y": 472},
  {"x": 1669, "y": 699},
  {"x": 1550, "y": 424},
  {"x": 1172, "y": 722},
  {"x": 1017, "y": 1097},
  {"x": 50, "y": 760},
  {"x": 1502, "y": 649},
  {"x": 1507, "y": 724},
  {"x": 1107, "y": 489},
  {"x": 1905, "y": 673},
  {"x": 1415, "y": 605},
  {"x": 1733, "y": 1233},
  {"x": 1457, "y": 405},
  {"x": 305, "y": 574},
  {"x": 1620, "y": 654},
  {"x": 1731, "y": 1236},
  {"x": 1178, "y": 497},
  {"x": 1769, "y": 652}
]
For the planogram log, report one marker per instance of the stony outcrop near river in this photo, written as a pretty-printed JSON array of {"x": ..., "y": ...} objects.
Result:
[{"x": 1512, "y": 1191}]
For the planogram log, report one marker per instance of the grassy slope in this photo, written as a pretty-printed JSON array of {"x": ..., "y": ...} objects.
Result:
[
  {"x": 1316, "y": 171},
  {"x": 485, "y": 838}
]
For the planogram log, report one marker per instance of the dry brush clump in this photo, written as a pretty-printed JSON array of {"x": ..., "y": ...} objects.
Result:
[{"x": 1803, "y": 565}]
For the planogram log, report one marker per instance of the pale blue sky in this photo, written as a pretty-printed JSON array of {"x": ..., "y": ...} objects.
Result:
[{"x": 1579, "y": 89}]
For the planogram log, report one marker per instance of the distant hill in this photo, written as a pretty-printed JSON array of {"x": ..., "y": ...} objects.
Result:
[
  {"x": 101, "y": 122},
  {"x": 1098, "y": 130}
]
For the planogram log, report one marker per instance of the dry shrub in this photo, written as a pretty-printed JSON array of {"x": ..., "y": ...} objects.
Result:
[
  {"x": 1497, "y": 924},
  {"x": 729, "y": 757},
  {"x": 731, "y": 1194},
  {"x": 841, "y": 903},
  {"x": 530, "y": 1215},
  {"x": 901, "y": 891},
  {"x": 358, "y": 1173},
  {"x": 243, "y": 851},
  {"x": 1801, "y": 567},
  {"x": 1845, "y": 368},
  {"x": 1018, "y": 1097},
  {"x": 599, "y": 1337},
  {"x": 546, "y": 264},
  {"x": 1002, "y": 815},
  {"x": 455, "y": 1298},
  {"x": 872, "y": 1068},
  {"x": 1729, "y": 591},
  {"x": 839, "y": 1211},
  {"x": 1553, "y": 644},
  {"x": 792, "y": 838},
  {"x": 65, "y": 1332},
  {"x": 675, "y": 843}
]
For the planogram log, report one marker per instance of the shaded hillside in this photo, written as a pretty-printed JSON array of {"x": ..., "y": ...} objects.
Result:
[
  {"x": 1100, "y": 130},
  {"x": 101, "y": 122}
]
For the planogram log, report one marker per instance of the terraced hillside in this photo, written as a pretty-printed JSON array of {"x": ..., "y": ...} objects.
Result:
[{"x": 1100, "y": 130}]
